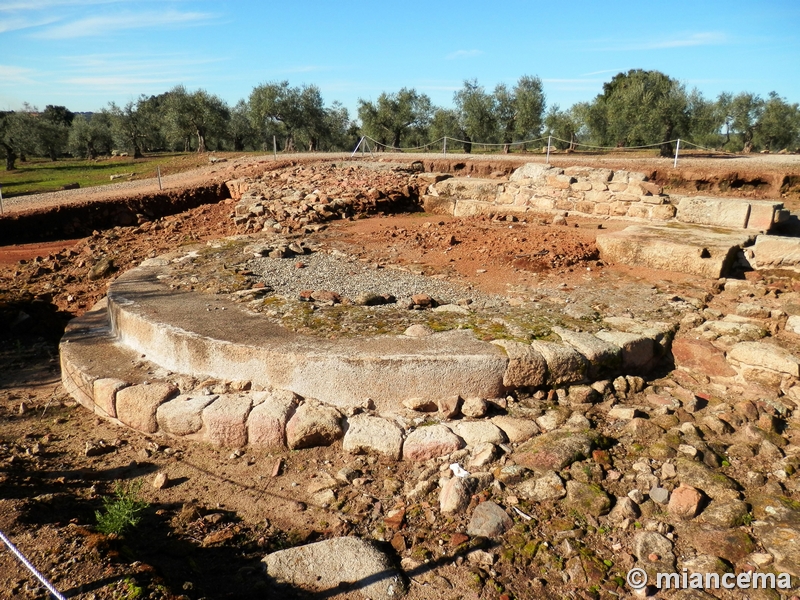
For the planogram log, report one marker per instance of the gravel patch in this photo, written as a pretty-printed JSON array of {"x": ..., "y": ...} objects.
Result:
[{"x": 351, "y": 278}]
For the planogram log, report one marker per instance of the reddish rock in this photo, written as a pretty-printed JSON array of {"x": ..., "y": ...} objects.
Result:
[
  {"x": 225, "y": 420},
  {"x": 326, "y": 296},
  {"x": 684, "y": 502},
  {"x": 701, "y": 356},
  {"x": 432, "y": 441},
  {"x": 422, "y": 300}
]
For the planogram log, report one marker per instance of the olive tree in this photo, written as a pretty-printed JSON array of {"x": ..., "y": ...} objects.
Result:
[{"x": 394, "y": 116}]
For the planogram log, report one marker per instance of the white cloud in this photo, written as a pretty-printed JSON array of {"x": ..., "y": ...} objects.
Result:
[
  {"x": 602, "y": 72},
  {"x": 109, "y": 24},
  {"x": 17, "y": 23},
  {"x": 683, "y": 40},
  {"x": 11, "y": 74},
  {"x": 463, "y": 54}
]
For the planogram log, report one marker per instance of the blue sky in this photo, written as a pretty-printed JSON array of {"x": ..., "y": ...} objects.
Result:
[{"x": 85, "y": 53}]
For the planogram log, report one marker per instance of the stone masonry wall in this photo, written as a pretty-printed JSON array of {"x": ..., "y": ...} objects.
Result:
[{"x": 594, "y": 192}]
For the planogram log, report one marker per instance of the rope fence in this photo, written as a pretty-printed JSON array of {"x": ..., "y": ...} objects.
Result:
[{"x": 364, "y": 145}]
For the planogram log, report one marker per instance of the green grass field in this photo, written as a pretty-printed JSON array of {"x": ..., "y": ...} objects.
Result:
[{"x": 41, "y": 175}]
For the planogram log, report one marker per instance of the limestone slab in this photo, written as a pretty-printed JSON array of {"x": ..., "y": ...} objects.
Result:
[
  {"x": 675, "y": 247},
  {"x": 718, "y": 212}
]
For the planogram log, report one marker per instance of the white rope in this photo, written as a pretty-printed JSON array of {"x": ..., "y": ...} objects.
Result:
[
  {"x": 616, "y": 147},
  {"x": 31, "y": 568},
  {"x": 452, "y": 139},
  {"x": 709, "y": 149},
  {"x": 408, "y": 148},
  {"x": 491, "y": 144}
]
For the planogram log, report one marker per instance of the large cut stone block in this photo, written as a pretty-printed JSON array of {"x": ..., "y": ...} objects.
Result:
[
  {"x": 137, "y": 405},
  {"x": 774, "y": 252},
  {"x": 183, "y": 415},
  {"x": 526, "y": 367},
  {"x": 564, "y": 363},
  {"x": 226, "y": 420},
  {"x": 719, "y": 212},
  {"x": 266, "y": 425},
  {"x": 676, "y": 247}
]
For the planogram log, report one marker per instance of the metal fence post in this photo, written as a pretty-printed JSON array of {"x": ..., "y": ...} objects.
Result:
[
  {"x": 159, "y": 177},
  {"x": 677, "y": 149},
  {"x": 549, "y": 137}
]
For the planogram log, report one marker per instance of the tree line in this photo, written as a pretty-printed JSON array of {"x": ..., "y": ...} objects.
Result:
[{"x": 636, "y": 108}]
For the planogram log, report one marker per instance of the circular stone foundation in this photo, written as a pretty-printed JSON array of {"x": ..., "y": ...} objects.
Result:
[{"x": 216, "y": 343}]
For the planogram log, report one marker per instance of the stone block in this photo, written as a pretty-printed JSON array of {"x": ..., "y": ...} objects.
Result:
[
  {"x": 137, "y": 404},
  {"x": 313, "y": 424},
  {"x": 266, "y": 425},
  {"x": 516, "y": 429},
  {"x": 564, "y": 363},
  {"x": 774, "y": 252},
  {"x": 373, "y": 434},
  {"x": 700, "y": 356},
  {"x": 438, "y": 205},
  {"x": 763, "y": 214},
  {"x": 662, "y": 212},
  {"x": 183, "y": 415},
  {"x": 639, "y": 211},
  {"x": 618, "y": 187},
  {"x": 619, "y": 209},
  {"x": 581, "y": 186},
  {"x": 767, "y": 356},
  {"x": 105, "y": 395},
  {"x": 478, "y": 432},
  {"x": 637, "y": 350},
  {"x": 602, "y": 208},
  {"x": 598, "y": 196},
  {"x": 532, "y": 171},
  {"x": 718, "y": 212},
  {"x": 602, "y": 355},
  {"x": 526, "y": 367},
  {"x": 225, "y": 420},
  {"x": 559, "y": 182},
  {"x": 469, "y": 188},
  {"x": 431, "y": 441}
]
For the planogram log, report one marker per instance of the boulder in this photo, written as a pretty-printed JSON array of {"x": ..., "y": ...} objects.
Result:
[
  {"x": 431, "y": 441},
  {"x": 325, "y": 566},
  {"x": 373, "y": 434},
  {"x": 313, "y": 424}
]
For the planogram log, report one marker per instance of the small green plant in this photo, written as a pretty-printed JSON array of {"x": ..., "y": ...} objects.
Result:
[
  {"x": 122, "y": 510},
  {"x": 747, "y": 519}
]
